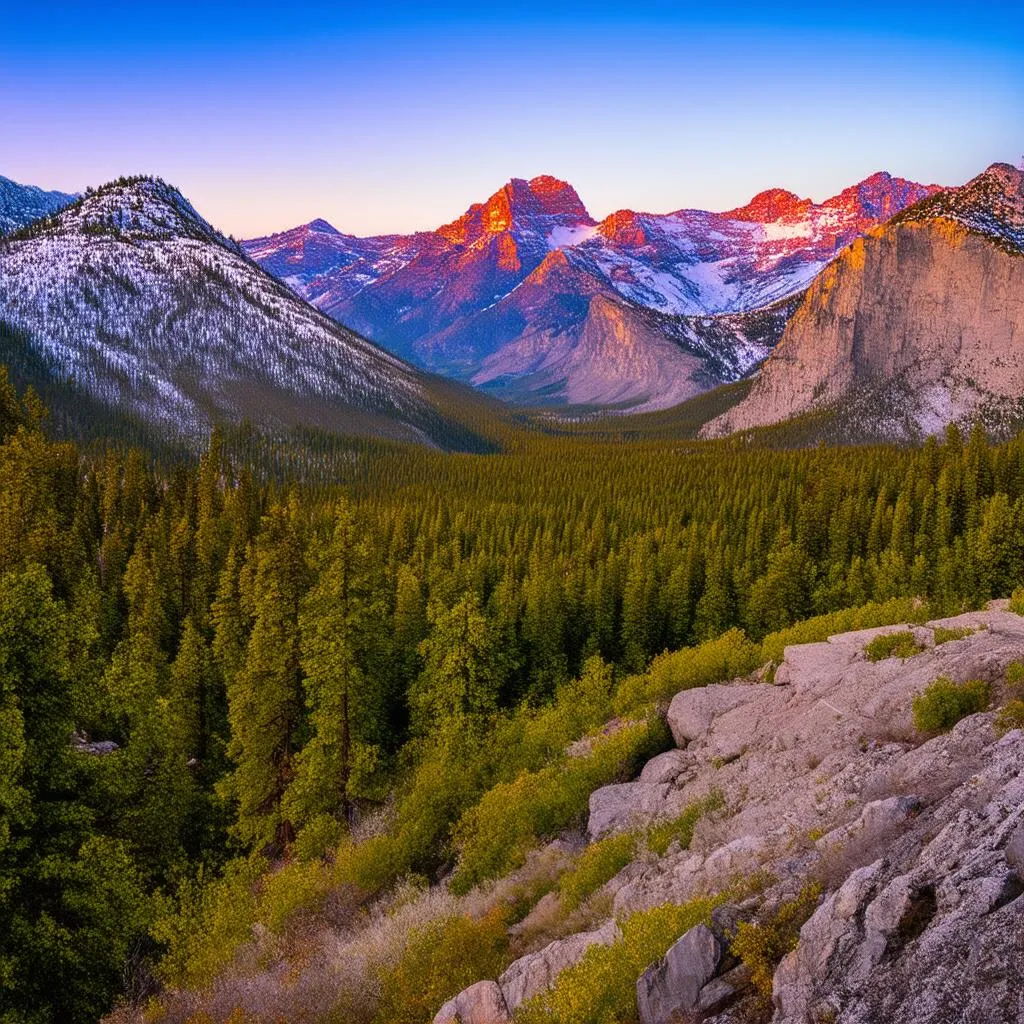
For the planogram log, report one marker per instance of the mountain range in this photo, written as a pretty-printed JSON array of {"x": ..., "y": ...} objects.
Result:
[
  {"x": 894, "y": 307},
  {"x": 528, "y": 296}
]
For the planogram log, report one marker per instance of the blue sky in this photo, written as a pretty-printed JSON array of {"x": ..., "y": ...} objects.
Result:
[{"x": 395, "y": 117}]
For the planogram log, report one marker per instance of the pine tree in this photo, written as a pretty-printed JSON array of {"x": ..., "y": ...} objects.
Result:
[
  {"x": 265, "y": 698},
  {"x": 345, "y": 704}
]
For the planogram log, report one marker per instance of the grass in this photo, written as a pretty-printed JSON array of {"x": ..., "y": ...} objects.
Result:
[{"x": 943, "y": 635}]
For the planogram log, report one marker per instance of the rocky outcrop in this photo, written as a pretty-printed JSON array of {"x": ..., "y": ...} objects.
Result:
[
  {"x": 930, "y": 306},
  {"x": 481, "y": 1003},
  {"x": 672, "y": 986},
  {"x": 931, "y": 931},
  {"x": 918, "y": 844},
  {"x": 536, "y": 972}
]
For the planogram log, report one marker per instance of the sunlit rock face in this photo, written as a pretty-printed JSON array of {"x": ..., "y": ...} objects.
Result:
[
  {"x": 450, "y": 299},
  {"x": 929, "y": 307}
]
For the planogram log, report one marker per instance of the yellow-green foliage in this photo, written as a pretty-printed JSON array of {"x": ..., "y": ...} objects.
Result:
[
  {"x": 604, "y": 859},
  {"x": 892, "y": 645},
  {"x": 762, "y": 946},
  {"x": 1017, "y": 601},
  {"x": 944, "y": 636},
  {"x": 210, "y": 921},
  {"x": 601, "y": 988},
  {"x": 494, "y": 836},
  {"x": 725, "y": 657},
  {"x": 940, "y": 705},
  {"x": 439, "y": 960},
  {"x": 1011, "y": 716},
  {"x": 1015, "y": 678},
  {"x": 821, "y": 627},
  {"x": 661, "y": 834},
  {"x": 596, "y": 865}
]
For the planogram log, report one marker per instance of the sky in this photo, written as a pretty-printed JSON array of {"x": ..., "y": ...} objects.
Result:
[{"x": 395, "y": 117}]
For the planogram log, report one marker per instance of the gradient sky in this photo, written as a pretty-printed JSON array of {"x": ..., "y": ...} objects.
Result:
[{"x": 393, "y": 117}]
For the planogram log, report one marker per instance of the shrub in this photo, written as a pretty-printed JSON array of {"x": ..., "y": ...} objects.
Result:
[
  {"x": 1015, "y": 678},
  {"x": 602, "y": 986},
  {"x": 714, "y": 661},
  {"x": 598, "y": 863},
  {"x": 1010, "y": 717},
  {"x": 439, "y": 960},
  {"x": 821, "y": 627},
  {"x": 1017, "y": 601},
  {"x": 762, "y": 945},
  {"x": 208, "y": 924},
  {"x": 494, "y": 836},
  {"x": 942, "y": 704},
  {"x": 944, "y": 636},
  {"x": 892, "y": 645}
]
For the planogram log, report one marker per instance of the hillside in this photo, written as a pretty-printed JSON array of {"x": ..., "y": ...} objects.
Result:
[
  {"x": 22, "y": 204},
  {"x": 916, "y": 325},
  {"x": 527, "y": 295},
  {"x": 148, "y": 310}
]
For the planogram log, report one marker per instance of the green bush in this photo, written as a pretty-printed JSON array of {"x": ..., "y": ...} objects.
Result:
[
  {"x": 439, "y": 960},
  {"x": 943, "y": 703},
  {"x": 892, "y": 645},
  {"x": 208, "y": 923},
  {"x": 601, "y": 988},
  {"x": 944, "y": 636},
  {"x": 1015, "y": 678},
  {"x": 1017, "y": 601},
  {"x": 598, "y": 863},
  {"x": 821, "y": 627},
  {"x": 494, "y": 836},
  {"x": 762, "y": 945},
  {"x": 726, "y": 657}
]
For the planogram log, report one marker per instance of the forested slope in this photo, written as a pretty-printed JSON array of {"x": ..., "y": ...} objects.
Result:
[{"x": 272, "y": 663}]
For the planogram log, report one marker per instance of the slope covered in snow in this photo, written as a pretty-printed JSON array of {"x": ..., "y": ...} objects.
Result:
[
  {"x": 135, "y": 297},
  {"x": 22, "y": 204}
]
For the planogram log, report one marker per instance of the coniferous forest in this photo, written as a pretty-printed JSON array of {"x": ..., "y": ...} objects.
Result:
[{"x": 213, "y": 675}]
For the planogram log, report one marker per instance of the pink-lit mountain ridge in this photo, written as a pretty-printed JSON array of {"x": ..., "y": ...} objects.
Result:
[{"x": 529, "y": 296}]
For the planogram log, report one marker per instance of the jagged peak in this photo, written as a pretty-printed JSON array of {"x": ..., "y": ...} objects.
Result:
[
  {"x": 322, "y": 226},
  {"x": 770, "y": 205},
  {"x": 520, "y": 204}
]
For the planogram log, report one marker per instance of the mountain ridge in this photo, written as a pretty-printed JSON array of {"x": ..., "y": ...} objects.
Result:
[
  {"x": 931, "y": 304},
  {"x": 136, "y": 297},
  {"x": 430, "y": 296}
]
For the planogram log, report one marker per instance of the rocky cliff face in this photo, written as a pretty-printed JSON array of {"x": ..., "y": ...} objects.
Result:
[{"x": 929, "y": 307}]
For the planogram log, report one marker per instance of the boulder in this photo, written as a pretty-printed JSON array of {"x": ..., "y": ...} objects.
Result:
[
  {"x": 535, "y": 973},
  {"x": 666, "y": 767},
  {"x": 741, "y": 855},
  {"x": 673, "y": 985},
  {"x": 481, "y": 1003},
  {"x": 692, "y": 712},
  {"x": 877, "y": 819},
  {"x": 625, "y": 804}
]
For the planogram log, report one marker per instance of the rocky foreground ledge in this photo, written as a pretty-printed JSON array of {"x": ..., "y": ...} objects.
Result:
[{"x": 913, "y": 849}]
